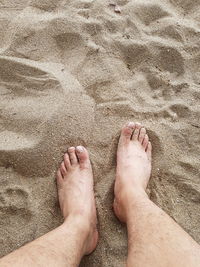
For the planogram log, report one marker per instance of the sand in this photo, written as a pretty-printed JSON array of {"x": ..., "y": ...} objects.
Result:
[{"x": 72, "y": 73}]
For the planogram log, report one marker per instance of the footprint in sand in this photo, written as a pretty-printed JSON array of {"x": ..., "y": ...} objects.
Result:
[{"x": 16, "y": 216}]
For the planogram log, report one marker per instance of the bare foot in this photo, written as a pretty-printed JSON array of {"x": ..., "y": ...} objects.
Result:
[
  {"x": 76, "y": 195},
  {"x": 133, "y": 168}
]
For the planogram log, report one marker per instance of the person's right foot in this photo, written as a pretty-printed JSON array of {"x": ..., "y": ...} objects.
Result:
[{"x": 133, "y": 168}]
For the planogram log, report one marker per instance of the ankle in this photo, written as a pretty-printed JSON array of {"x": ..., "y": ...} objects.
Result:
[
  {"x": 136, "y": 194},
  {"x": 80, "y": 223},
  {"x": 130, "y": 194},
  {"x": 81, "y": 229},
  {"x": 78, "y": 227},
  {"x": 126, "y": 201}
]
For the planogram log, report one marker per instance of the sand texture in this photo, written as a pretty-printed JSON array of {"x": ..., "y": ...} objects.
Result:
[{"x": 73, "y": 72}]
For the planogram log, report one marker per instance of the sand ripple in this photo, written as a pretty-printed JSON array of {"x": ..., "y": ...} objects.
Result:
[{"x": 72, "y": 72}]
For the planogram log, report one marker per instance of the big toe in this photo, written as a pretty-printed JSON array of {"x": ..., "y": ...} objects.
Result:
[
  {"x": 83, "y": 156},
  {"x": 127, "y": 132}
]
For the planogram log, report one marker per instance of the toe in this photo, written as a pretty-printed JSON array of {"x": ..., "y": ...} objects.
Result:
[
  {"x": 136, "y": 131},
  {"x": 72, "y": 156},
  {"x": 59, "y": 174},
  {"x": 142, "y": 134},
  {"x": 67, "y": 161},
  {"x": 82, "y": 155},
  {"x": 127, "y": 131},
  {"x": 59, "y": 177},
  {"x": 145, "y": 141},
  {"x": 149, "y": 150},
  {"x": 63, "y": 169}
]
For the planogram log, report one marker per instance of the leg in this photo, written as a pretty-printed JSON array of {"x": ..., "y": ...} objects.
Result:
[
  {"x": 77, "y": 236},
  {"x": 154, "y": 239}
]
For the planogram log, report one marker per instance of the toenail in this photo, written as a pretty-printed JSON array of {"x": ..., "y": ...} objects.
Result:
[
  {"x": 80, "y": 149},
  {"x": 131, "y": 124},
  {"x": 138, "y": 124},
  {"x": 71, "y": 149}
]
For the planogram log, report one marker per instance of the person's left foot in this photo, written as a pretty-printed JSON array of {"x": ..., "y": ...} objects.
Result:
[{"x": 76, "y": 194}]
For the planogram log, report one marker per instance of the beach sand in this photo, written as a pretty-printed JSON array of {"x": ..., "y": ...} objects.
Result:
[{"x": 72, "y": 73}]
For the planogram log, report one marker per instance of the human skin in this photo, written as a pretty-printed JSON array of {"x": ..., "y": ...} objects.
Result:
[
  {"x": 154, "y": 239},
  {"x": 77, "y": 236}
]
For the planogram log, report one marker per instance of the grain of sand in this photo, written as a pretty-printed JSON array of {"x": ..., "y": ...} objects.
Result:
[{"x": 72, "y": 72}]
